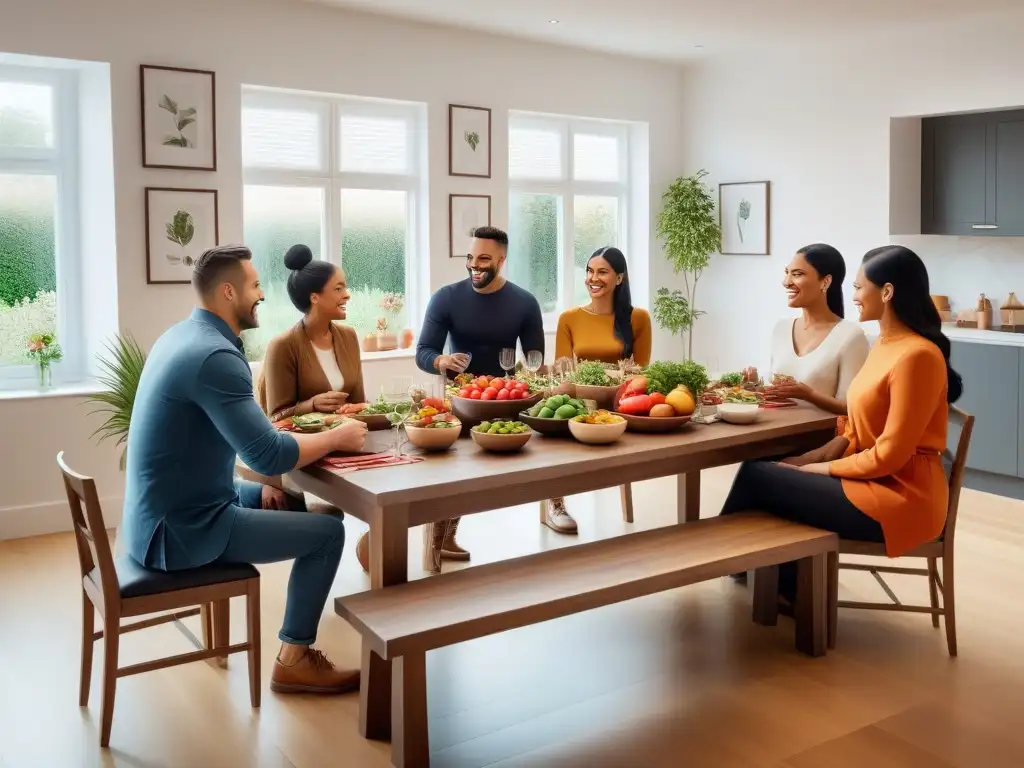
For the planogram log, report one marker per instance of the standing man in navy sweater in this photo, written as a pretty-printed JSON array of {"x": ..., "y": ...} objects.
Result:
[{"x": 478, "y": 317}]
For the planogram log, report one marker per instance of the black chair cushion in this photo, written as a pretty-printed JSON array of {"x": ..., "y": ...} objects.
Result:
[{"x": 136, "y": 581}]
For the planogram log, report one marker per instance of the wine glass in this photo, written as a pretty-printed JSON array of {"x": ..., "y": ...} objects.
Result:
[
  {"x": 534, "y": 360},
  {"x": 397, "y": 415},
  {"x": 507, "y": 360}
]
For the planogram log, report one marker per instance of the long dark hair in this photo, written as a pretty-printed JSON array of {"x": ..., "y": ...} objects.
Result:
[
  {"x": 911, "y": 300},
  {"x": 828, "y": 262},
  {"x": 308, "y": 276},
  {"x": 622, "y": 300}
]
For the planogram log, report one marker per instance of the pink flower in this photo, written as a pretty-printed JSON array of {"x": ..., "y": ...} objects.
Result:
[{"x": 35, "y": 345}]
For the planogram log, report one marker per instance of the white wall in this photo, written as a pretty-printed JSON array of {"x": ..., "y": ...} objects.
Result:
[
  {"x": 291, "y": 44},
  {"x": 815, "y": 121}
]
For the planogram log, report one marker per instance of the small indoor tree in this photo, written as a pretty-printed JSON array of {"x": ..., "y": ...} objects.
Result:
[
  {"x": 121, "y": 370},
  {"x": 691, "y": 233}
]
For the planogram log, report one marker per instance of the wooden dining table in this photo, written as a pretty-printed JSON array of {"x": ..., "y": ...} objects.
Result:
[{"x": 467, "y": 480}]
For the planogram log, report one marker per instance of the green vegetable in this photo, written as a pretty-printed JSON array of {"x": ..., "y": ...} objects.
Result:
[
  {"x": 556, "y": 401},
  {"x": 590, "y": 373},
  {"x": 502, "y": 428},
  {"x": 566, "y": 412},
  {"x": 664, "y": 376},
  {"x": 535, "y": 410},
  {"x": 547, "y": 413},
  {"x": 731, "y": 379}
]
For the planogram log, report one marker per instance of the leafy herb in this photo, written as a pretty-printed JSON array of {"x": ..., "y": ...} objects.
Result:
[
  {"x": 382, "y": 407},
  {"x": 731, "y": 379},
  {"x": 590, "y": 373},
  {"x": 664, "y": 376}
]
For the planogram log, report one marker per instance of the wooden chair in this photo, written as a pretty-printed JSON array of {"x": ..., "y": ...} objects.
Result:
[
  {"x": 121, "y": 588},
  {"x": 942, "y": 548}
]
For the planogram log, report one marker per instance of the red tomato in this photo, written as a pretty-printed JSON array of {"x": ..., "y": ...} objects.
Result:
[
  {"x": 497, "y": 383},
  {"x": 475, "y": 395},
  {"x": 522, "y": 386},
  {"x": 516, "y": 394},
  {"x": 426, "y": 420},
  {"x": 433, "y": 402},
  {"x": 503, "y": 394},
  {"x": 465, "y": 392},
  {"x": 475, "y": 388},
  {"x": 482, "y": 382},
  {"x": 656, "y": 398},
  {"x": 489, "y": 394}
]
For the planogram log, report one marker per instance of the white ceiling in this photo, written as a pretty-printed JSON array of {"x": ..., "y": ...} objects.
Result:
[{"x": 684, "y": 29}]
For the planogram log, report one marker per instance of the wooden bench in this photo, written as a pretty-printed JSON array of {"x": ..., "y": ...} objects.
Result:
[{"x": 405, "y": 621}]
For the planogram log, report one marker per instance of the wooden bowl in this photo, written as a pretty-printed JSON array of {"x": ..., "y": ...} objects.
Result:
[
  {"x": 602, "y": 396},
  {"x": 652, "y": 424},
  {"x": 501, "y": 443},
  {"x": 433, "y": 438},
  {"x": 374, "y": 421},
  {"x": 475, "y": 411},
  {"x": 550, "y": 427},
  {"x": 597, "y": 434}
]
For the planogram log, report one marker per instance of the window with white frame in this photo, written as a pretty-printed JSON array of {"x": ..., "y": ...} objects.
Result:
[
  {"x": 568, "y": 190},
  {"x": 344, "y": 176},
  {"x": 39, "y": 217}
]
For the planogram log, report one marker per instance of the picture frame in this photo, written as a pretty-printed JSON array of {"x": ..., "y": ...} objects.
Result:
[
  {"x": 179, "y": 118},
  {"x": 469, "y": 141},
  {"x": 180, "y": 225},
  {"x": 465, "y": 214},
  {"x": 744, "y": 211}
]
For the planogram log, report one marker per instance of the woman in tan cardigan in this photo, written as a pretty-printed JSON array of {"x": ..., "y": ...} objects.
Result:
[{"x": 314, "y": 366}]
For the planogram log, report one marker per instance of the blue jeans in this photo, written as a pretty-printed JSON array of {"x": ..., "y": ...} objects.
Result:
[{"x": 314, "y": 541}]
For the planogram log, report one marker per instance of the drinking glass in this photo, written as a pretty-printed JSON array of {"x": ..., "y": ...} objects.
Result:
[
  {"x": 507, "y": 360},
  {"x": 534, "y": 360},
  {"x": 397, "y": 416}
]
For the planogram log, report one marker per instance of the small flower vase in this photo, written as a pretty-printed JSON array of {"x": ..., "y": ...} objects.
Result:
[
  {"x": 386, "y": 341},
  {"x": 45, "y": 374}
]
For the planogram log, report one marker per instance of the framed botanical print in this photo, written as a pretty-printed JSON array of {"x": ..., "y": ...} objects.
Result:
[
  {"x": 469, "y": 141},
  {"x": 180, "y": 225},
  {"x": 179, "y": 118}
]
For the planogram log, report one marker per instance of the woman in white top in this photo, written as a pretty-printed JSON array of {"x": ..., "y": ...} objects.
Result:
[{"x": 819, "y": 351}]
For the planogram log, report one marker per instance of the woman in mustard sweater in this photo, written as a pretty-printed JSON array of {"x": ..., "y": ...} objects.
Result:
[
  {"x": 607, "y": 330},
  {"x": 882, "y": 480}
]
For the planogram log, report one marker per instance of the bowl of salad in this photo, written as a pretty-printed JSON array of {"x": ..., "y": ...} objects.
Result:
[
  {"x": 593, "y": 382},
  {"x": 438, "y": 433},
  {"x": 597, "y": 428}
]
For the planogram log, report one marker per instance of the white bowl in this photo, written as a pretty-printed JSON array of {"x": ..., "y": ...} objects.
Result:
[
  {"x": 597, "y": 434},
  {"x": 739, "y": 413}
]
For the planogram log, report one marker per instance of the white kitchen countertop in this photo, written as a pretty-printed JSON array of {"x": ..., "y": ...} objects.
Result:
[{"x": 972, "y": 335}]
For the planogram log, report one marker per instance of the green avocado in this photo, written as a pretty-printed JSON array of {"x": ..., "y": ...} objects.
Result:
[{"x": 566, "y": 412}]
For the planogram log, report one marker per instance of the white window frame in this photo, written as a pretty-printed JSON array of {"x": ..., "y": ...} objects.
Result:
[
  {"x": 61, "y": 161},
  {"x": 332, "y": 180},
  {"x": 566, "y": 188}
]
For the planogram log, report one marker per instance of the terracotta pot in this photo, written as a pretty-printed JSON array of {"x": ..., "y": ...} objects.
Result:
[
  {"x": 407, "y": 338},
  {"x": 370, "y": 343},
  {"x": 386, "y": 342}
]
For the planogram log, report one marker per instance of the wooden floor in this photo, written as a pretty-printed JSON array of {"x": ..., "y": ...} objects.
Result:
[{"x": 678, "y": 679}]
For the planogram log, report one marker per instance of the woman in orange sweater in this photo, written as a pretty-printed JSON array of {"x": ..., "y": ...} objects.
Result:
[
  {"x": 882, "y": 480},
  {"x": 607, "y": 330}
]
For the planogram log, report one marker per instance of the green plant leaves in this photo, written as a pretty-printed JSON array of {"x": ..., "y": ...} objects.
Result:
[
  {"x": 473, "y": 139},
  {"x": 169, "y": 104},
  {"x": 672, "y": 311},
  {"x": 181, "y": 228},
  {"x": 687, "y": 224},
  {"x": 120, "y": 372}
]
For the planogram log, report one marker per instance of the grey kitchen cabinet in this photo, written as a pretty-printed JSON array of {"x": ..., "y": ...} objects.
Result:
[
  {"x": 972, "y": 174},
  {"x": 991, "y": 375}
]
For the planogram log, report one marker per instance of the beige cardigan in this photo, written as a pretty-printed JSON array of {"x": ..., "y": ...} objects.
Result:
[{"x": 292, "y": 375}]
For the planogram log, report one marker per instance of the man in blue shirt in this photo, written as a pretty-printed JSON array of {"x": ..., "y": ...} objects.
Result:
[
  {"x": 194, "y": 412},
  {"x": 477, "y": 318}
]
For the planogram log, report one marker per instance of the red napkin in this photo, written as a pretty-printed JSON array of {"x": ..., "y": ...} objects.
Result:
[
  {"x": 781, "y": 403},
  {"x": 372, "y": 461}
]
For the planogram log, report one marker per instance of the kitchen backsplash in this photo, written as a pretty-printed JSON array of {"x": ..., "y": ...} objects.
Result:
[{"x": 965, "y": 267}]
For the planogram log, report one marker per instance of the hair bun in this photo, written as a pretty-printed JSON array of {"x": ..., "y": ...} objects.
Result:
[{"x": 298, "y": 256}]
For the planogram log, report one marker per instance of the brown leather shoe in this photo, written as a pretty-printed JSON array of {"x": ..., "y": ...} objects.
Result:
[
  {"x": 557, "y": 518},
  {"x": 450, "y": 549},
  {"x": 363, "y": 551},
  {"x": 313, "y": 673}
]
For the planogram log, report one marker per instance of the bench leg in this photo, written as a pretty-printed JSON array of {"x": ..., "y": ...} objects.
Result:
[
  {"x": 766, "y": 596},
  {"x": 833, "y": 598},
  {"x": 410, "y": 741},
  {"x": 688, "y": 497},
  {"x": 812, "y": 605}
]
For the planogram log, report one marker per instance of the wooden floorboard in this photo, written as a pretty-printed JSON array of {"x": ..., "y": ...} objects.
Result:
[{"x": 680, "y": 678}]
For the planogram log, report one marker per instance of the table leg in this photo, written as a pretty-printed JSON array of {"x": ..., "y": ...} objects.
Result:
[
  {"x": 688, "y": 497},
  {"x": 389, "y": 565},
  {"x": 812, "y": 605}
]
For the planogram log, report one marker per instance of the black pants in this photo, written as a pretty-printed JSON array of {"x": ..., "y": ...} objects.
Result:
[{"x": 816, "y": 500}]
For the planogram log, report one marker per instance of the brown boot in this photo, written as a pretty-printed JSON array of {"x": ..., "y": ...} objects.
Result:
[
  {"x": 450, "y": 549},
  {"x": 312, "y": 673},
  {"x": 557, "y": 518},
  {"x": 363, "y": 551}
]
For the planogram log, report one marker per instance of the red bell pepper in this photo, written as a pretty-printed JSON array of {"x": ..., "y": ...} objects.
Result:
[{"x": 637, "y": 405}]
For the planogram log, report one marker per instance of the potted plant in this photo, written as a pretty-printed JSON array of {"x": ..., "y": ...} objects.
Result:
[
  {"x": 691, "y": 233},
  {"x": 44, "y": 351},
  {"x": 121, "y": 370}
]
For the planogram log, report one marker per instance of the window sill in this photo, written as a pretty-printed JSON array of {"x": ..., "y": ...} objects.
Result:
[
  {"x": 391, "y": 354},
  {"x": 71, "y": 389}
]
